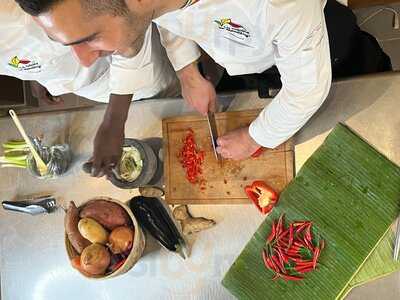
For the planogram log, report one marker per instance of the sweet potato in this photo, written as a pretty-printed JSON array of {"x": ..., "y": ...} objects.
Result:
[
  {"x": 71, "y": 228},
  {"x": 107, "y": 213}
]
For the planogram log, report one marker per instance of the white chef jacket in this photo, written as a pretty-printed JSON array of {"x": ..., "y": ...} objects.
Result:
[
  {"x": 251, "y": 36},
  {"x": 28, "y": 54}
]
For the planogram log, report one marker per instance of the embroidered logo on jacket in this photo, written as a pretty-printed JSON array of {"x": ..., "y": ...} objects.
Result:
[
  {"x": 234, "y": 29},
  {"x": 24, "y": 64}
]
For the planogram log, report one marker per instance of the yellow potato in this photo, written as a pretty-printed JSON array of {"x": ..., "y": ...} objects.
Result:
[{"x": 92, "y": 231}]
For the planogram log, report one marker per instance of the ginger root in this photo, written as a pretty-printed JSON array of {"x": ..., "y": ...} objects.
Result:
[{"x": 191, "y": 224}]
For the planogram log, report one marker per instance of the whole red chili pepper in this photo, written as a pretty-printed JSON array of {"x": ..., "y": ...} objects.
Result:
[
  {"x": 280, "y": 265},
  {"x": 303, "y": 269},
  {"x": 284, "y": 234},
  {"x": 286, "y": 248},
  {"x": 291, "y": 235},
  {"x": 301, "y": 227},
  {"x": 282, "y": 256},
  {"x": 316, "y": 256},
  {"x": 265, "y": 258},
  {"x": 275, "y": 267},
  {"x": 300, "y": 260},
  {"x": 290, "y": 277},
  {"x": 308, "y": 244},
  {"x": 272, "y": 234},
  {"x": 305, "y": 263},
  {"x": 281, "y": 225}
]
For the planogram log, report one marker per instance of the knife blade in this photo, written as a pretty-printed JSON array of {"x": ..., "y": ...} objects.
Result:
[{"x": 213, "y": 132}]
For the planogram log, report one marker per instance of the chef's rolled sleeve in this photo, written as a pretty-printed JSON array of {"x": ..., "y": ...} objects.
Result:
[
  {"x": 180, "y": 51},
  {"x": 303, "y": 59}
]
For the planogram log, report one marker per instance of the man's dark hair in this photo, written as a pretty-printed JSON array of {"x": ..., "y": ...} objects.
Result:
[
  {"x": 93, "y": 7},
  {"x": 36, "y": 7}
]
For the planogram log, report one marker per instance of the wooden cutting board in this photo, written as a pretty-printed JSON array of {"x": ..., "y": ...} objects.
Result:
[{"x": 224, "y": 183}]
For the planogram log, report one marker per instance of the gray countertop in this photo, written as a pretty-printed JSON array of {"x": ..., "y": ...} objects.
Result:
[{"x": 34, "y": 264}]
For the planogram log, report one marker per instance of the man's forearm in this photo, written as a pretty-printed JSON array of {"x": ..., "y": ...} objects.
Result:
[
  {"x": 117, "y": 109},
  {"x": 189, "y": 75}
]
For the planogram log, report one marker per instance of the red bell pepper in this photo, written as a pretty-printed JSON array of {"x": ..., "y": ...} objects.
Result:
[{"x": 263, "y": 196}]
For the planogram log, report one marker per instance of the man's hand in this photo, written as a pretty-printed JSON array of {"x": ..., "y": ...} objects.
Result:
[
  {"x": 197, "y": 91},
  {"x": 43, "y": 95},
  {"x": 107, "y": 147},
  {"x": 237, "y": 144}
]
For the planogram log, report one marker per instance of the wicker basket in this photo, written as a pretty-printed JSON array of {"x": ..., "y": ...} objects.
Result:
[{"x": 137, "y": 247}]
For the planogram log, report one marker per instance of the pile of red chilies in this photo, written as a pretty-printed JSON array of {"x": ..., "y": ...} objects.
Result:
[
  {"x": 191, "y": 158},
  {"x": 285, "y": 249}
]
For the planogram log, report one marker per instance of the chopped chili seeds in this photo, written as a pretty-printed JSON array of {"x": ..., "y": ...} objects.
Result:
[
  {"x": 290, "y": 251},
  {"x": 191, "y": 158}
]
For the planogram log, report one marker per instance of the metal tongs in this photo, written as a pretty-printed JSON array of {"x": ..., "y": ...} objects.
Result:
[{"x": 33, "y": 206}]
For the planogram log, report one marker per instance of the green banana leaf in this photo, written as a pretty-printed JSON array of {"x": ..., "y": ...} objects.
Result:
[
  {"x": 378, "y": 265},
  {"x": 350, "y": 192}
]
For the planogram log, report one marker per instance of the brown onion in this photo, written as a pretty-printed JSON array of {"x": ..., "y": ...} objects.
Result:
[
  {"x": 121, "y": 239},
  {"x": 95, "y": 259}
]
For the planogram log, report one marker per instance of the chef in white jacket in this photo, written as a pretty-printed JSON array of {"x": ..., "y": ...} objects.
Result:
[
  {"x": 251, "y": 36},
  {"x": 27, "y": 53},
  {"x": 242, "y": 36}
]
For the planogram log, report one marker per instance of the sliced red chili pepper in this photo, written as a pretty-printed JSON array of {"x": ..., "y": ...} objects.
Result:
[
  {"x": 191, "y": 158},
  {"x": 262, "y": 196}
]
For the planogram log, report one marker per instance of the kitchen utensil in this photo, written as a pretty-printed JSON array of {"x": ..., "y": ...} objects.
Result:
[
  {"x": 396, "y": 249},
  {"x": 225, "y": 182},
  {"x": 41, "y": 166},
  {"x": 349, "y": 191},
  {"x": 57, "y": 158},
  {"x": 213, "y": 132},
  {"x": 32, "y": 206}
]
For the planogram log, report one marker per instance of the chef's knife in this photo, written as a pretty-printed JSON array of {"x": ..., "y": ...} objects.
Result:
[{"x": 213, "y": 132}]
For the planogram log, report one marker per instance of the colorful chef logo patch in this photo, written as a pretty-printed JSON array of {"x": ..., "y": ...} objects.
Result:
[
  {"x": 24, "y": 65},
  {"x": 234, "y": 29}
]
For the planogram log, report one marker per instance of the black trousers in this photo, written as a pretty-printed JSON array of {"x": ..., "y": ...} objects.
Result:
[{"x": 353, "y": 52}]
